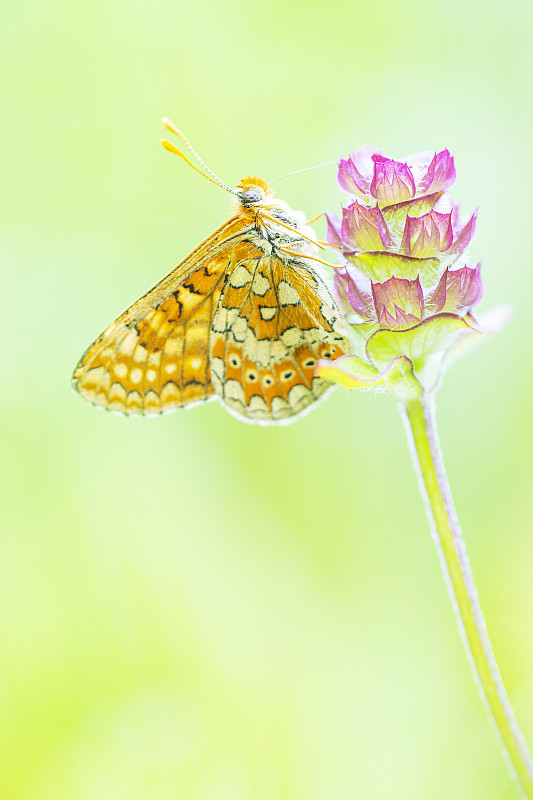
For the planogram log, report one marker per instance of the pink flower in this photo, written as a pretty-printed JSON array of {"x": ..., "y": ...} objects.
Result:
[
  {"x": 457, "y": 290},
  {"x": 392, "y": 182},
  {"x": 399, "y": 303},
  {"x": 369, "y": 174},
  {"x": 364, "y": 228},
  {"x": 405, "y": 281}
]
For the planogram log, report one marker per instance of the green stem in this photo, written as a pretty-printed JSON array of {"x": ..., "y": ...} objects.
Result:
[{"x": 419, "y": 418}]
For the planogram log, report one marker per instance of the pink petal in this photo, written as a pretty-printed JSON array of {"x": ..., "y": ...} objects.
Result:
[
  {"x": 427, "y": 235},
  {"x": 393, "y": 181},
  {"x": 463, "y": 239},
  {"x": 440, "y": 174},
  {"x": 351, "y": 179},
  {"x": 399, "y": 303},
  {"x": 333, "y": 229},
  {"x": 362, "y": 158},
  {"x": 352, "y": 294},
  {"x": 457, "y": 289},
  {"x": 364, "y": 229},
  {"x": 398, "y": 320}
]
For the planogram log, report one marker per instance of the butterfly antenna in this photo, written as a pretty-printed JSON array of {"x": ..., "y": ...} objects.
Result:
[
  {"x": 306, "y": 169},
  {"x": 173, "y": 149}
]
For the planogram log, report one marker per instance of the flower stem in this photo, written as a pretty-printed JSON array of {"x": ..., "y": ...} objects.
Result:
[{"x": 419, "y": 418}]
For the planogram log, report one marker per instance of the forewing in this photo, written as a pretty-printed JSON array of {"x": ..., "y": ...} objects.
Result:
[
  {"x": 272, "y": 324},
  {"x": 154, "y": 357}
]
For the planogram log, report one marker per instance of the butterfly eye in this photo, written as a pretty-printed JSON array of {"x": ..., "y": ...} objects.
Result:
[
  {"x": 234, "y": 360},
  {"x": 309, "y": 362},
  {"x": 326, "y": 354},
  {"x": 251, "y": 196},
  {"x": 268, "y": 380},
  {"x": 286, "y": 376},
  {"x": 251, "y": 376}
]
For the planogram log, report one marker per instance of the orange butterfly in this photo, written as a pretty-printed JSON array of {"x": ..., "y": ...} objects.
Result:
[{"x": 243, "y": 318}]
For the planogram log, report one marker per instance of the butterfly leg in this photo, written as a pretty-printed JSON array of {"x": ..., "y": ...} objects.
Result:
[{"x": 315, "y": 219}]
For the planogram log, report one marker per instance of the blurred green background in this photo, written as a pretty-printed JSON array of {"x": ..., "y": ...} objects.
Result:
[{"x": 196, "y": 609}]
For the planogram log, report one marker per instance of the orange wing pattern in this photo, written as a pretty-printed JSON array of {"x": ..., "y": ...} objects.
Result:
[
  {"x": 154, "y": 357},
  {"x": 243, "y": 318},
  {"x": 272, "y": 324}
]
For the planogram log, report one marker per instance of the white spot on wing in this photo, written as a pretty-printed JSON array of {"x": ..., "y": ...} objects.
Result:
[
  {"x": 120, "y": 370},
  {"x": 267, "y": 313},
  {"x": 140, "y": 354},
  {"x": 280, "y": 406},
  {"x": 117, "y": 392},
  {"x": 239, "y": 329},
  {"x": 291, "y": 337},
  {"x": 257, "y": 403},
  {"x": 93, "y": 377},
  {"x": 170, "y": 393},
  {"x": 223, "y": 319},
  {"x": 288, "y": 296},
  {"x": 263, "y": 355},
  {"x": 278, "y": 350},
  {"x": 260, "y": 284},
  {"x": 217, "y": 368},
  {"x": 234, "y": 391},
  {"x": 151, "y": 398},
  {"x": 128, "y": 344},
  {"x": 240, "y": 277},
  {"x": 297, "y": 393}
]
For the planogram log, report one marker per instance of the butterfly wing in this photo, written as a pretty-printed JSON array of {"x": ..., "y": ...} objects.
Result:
[
  {"x": 154, "y": 357},
  {"x": 273, "y": 322}
]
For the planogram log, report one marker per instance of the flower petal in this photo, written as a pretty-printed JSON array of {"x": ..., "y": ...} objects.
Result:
[
  {"x": 352, "y": 294},
  {"x": 457, "y": 289},
  {"x": 364, "y": 228},
  {"x": 333, "y": 229},
  {"x": 427, "y": 235},
  {"x": 351, "y": 179},
  {"x": 440, "y": 174},
  {"x": 393, "y": 181},
  {"x": 399, "y": 303},
  {"x": 463, "y": 239}
]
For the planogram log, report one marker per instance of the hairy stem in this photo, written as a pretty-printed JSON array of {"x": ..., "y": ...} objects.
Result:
[{"x": 419, "y": 418}]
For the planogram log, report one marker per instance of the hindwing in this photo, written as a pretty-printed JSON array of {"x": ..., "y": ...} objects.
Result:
[{"x": 274, "y": 320}]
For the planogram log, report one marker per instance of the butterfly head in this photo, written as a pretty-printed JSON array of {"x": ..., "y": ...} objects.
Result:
[
  {"x": 278, "y": 225},
  {"x": 253, "y": 191}
]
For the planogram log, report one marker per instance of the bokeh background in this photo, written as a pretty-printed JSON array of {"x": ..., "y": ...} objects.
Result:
[{"x": 196, "y": 609}]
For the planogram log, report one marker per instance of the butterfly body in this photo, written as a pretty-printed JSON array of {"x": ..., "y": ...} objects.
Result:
[{"x": 243, "y": 318}]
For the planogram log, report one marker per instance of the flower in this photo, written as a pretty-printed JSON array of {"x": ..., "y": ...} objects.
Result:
[{"x": 405, "y": 283}]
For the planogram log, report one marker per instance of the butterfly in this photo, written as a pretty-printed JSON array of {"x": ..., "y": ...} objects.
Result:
[{"x": 243, "y": 319}]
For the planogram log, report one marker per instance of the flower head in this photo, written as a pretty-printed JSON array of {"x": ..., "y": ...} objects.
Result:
[
  {"x": 405, "y": 280},
  {"x": 371, "y": 175}
]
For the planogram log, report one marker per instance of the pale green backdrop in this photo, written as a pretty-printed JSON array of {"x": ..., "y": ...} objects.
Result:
[{"x": 196, "y": 609}]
